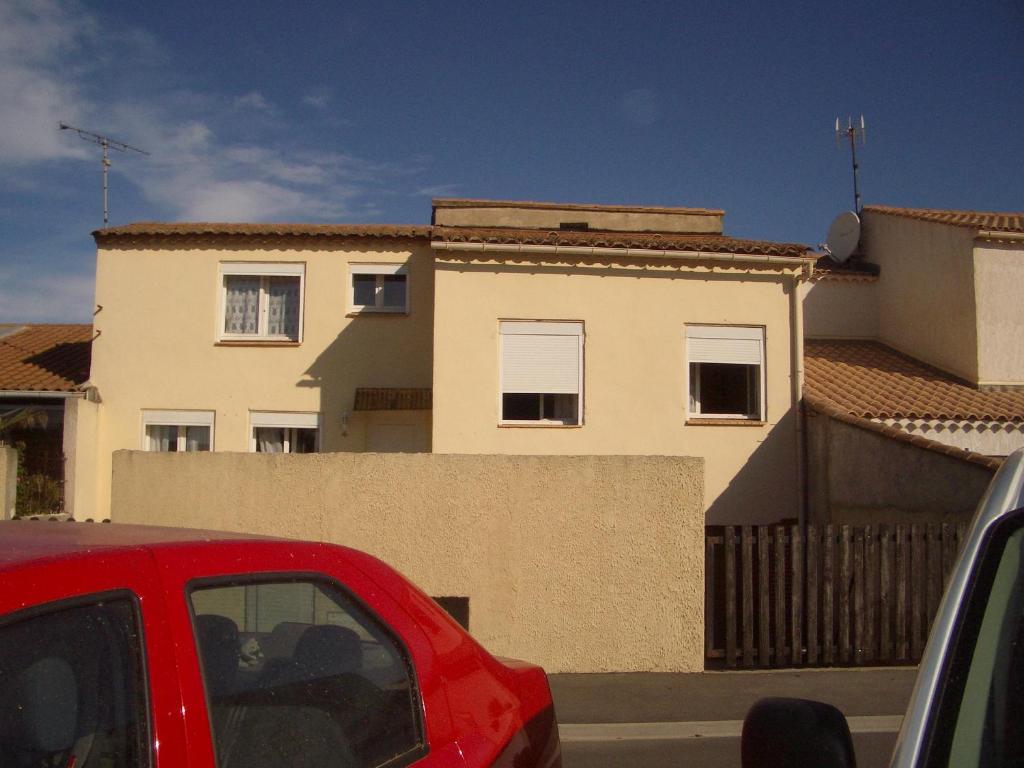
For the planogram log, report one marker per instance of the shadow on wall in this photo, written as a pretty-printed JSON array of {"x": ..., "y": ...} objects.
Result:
[
  {"x": 375, "y": 350},
  {"x": 770, "y": 474}
]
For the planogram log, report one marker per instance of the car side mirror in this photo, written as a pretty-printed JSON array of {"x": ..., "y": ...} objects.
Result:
[{"x": 786, "y": 733}]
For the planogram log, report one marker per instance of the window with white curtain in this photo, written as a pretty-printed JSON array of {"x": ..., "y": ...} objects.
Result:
[
  {"x": 262, "y": 301},
  {"x": 541, "y": 372},
  {"x": 726, "y": 371},
  {"x": 378, "y": 288},
  {"x": 177, "y": 431},
  {"x": 276, "y": 432}
]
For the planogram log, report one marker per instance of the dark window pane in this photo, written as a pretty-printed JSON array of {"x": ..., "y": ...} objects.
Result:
[
  {"x": 726, "y": 388},
  {"x": 304, "y": 441},
  {"x": 520, "y": 407},
  {"x": 72, "y": 690},
  {"x": 394, "y": 291},
  {"x": 561, "y": 408},
  {"x": 364, "y": 290},
  {"x": 299, "y": 671}
]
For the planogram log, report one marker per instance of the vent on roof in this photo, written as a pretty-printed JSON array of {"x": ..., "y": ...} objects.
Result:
[{"x": 574, "y": 226}]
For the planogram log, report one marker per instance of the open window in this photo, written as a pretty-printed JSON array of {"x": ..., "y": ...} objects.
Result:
[
  {"x": 378, "y": 288},
  {"x": 541, "y": 372},
  {"x": 726, "y": 372}
]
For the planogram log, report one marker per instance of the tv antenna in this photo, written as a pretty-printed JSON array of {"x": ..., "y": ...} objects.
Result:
[
  {"x": 853, "y": 132},
  {"x": 108, "y": 144}
]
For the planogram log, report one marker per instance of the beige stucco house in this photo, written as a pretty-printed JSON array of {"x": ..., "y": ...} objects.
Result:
[
  {"x": 501, "y": 328},
  {"x": 917, "y": 340}
]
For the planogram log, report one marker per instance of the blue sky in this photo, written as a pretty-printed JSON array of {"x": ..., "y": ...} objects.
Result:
[{"x": 362, "y": 111}]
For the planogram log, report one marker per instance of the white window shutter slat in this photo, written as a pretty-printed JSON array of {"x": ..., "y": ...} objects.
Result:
[
  {"x": 736, "y": 351},
  {"x": 540, "y": 363}
]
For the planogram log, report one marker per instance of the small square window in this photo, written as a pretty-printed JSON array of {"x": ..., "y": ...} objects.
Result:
[
  {"x": 284, "y": 432},
  {"x": 379, "y": 288},
  {"x": 726, "y": 372},
  {"x": 262, "y": 302}
]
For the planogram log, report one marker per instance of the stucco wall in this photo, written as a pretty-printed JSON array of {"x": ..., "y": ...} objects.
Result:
[
  {"x": 158, "y": 349},
  {"x": 841, "y": 308},
  {"x": 8, "y": 481},
  {"x": 81, "y": 477},
  {"x": 999, "y": 275},
  {"x": 580, "y": 563},
  {"x": 635, "y": 397},
  {"x": 860, "y": 477},
  {"x": 927, "y": 295}
]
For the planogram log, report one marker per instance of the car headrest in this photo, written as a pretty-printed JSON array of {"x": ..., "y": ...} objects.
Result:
[
  {"x": 48, "y": 699},
  {"x": 218, "y": 647},
  {"x": 329, "y": 650}
]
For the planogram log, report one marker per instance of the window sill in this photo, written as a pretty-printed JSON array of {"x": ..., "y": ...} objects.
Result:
[
  {"x": 256, "y": 343},
  {"x": 377, "y": 313},
  {"x": 536, "y": 425},
  {"x": 712, "y": 422}
]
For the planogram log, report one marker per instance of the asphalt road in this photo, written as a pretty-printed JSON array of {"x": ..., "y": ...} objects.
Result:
[{"x": 677, "y": 720}]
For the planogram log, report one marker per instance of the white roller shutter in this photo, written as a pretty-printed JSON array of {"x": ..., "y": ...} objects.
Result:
[
  {"x": 720, "y": 344},
  {"x": 541, "y": 357}
]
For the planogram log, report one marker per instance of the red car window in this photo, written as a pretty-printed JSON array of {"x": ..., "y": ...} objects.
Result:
[
  {"x": 72, "y": 688},
  {"x": 299, "y": 675}
]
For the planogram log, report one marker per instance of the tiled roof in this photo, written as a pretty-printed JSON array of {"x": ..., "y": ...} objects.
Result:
[
  {"x": 854, "y": 269},
  {"x": 45, "y": 358},
  {"x": 177, "y": 229},
  {"x": 645, "y": 240},
  {"x": 393, "y": 399},
  {"x": 457, "y": 202},
  {"x": 869, "y": 380},
  {"x": 981, "y": 220}
]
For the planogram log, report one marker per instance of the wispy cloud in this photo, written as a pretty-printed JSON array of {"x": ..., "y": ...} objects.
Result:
[
  {"x": 202, "y": 165},
  {"x": 50, "y": 298},
  {"x": 438, "y": 190}
]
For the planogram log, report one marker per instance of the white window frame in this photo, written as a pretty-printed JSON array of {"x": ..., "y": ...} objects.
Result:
[
  {"x": 540, "y": 328},
  {"x": 179, "y": 419},
  {"x": 380, "y": 271},
  {"x": 288, "y": 421},
  {"x": 263, "y": 270},
  {"x": 726, "y": 333}
]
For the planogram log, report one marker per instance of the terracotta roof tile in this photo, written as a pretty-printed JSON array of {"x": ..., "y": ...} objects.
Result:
[
  {"x": 393, "y": 399},
  {"x": 194, "y": 229},
  {"x": 598, "y": 239},
  {"x": 870, "y": 380},
  {"x": 981, "y": 220},
  {"x": 45, "y": 358}
]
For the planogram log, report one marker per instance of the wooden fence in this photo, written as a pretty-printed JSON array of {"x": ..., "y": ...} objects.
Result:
[{"x": 786, "y": 596}]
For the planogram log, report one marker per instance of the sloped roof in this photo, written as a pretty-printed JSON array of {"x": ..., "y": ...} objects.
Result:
[
  {"x": 869, "y": 380},
  {"x": 171, "y": 229},
  {"x": 393, "y": 399},
  {"x": 45, "y": 358},
  {"x": 598, "y": 239},
  {"x": 991, "y": 221}
]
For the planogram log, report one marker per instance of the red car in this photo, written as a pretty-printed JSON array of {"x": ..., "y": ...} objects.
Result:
[{"x": 127, "y": 646}]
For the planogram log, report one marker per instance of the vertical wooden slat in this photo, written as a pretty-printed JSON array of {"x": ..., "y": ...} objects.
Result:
[
  {"x": 796, "y": 610},
  {"x": 885, "y": 593},
  {"x": 730, "y": 596},
  {"x": 858, "y": 595},
  {"x": 828, "y": 566},
  {"x": 844, "y": 586},
  {"x": 709, "y": 596},
  {"x": 870, "y": 592},
  {"x": 747, "y": 557},
  {"x": 948, "y": 553},
  {"x": 917, "y": 574},
  {"x": 780, "y": 595},
  {"x": 902, "y": 569},
  {"x": 934, "y": 556},
  {"x": 812, "y": 594},
  {"x": 764, "y": 626}
]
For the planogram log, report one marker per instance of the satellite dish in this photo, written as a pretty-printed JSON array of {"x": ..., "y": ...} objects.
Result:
[{"x": 843, "y": 236}]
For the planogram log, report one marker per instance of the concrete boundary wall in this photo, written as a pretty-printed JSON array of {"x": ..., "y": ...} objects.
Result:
[
  {"x": 8, "y": 481},
  {"x": 579, "y": 563}
]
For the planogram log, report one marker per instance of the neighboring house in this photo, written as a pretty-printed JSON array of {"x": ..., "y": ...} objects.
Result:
[
  {"x": 42, "y": 370},
  {"x": 502, "y": 328},
  {"x": 917, "y": 338}
]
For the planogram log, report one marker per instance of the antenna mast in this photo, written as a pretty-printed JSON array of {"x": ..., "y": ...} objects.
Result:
[
  {"x": 853, "y": 132},
  {"x": 108, "y": 144}
]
